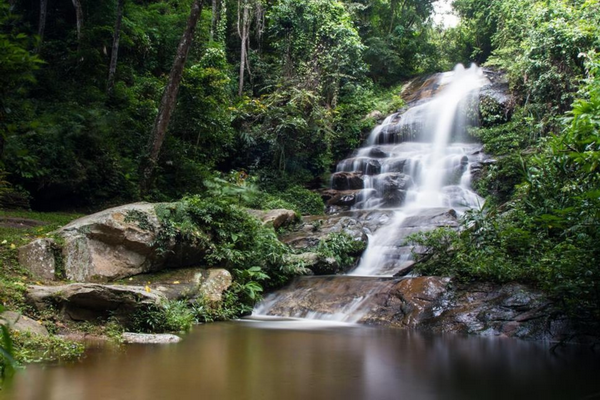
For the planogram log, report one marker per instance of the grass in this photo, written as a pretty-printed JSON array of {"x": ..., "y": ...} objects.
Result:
[{"x": 13, "y": 278}]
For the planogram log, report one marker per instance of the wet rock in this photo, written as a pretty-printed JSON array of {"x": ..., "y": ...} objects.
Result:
[
  {"x": 140, "y": 338},
  {"x": 405, "y": 269},
  {"x": 428, "y": 304},
  {"x": 89, "y": 302},
  {"x": 432, "y": 217},
  {"x": 393, "y": 188},
  {"x": 39, "y": 257},
  {"x": 421, "y": 88},
  {"x": 347, "y": 181},
  {"x": 496, "y": 103},
  {"x": 317, "y": 263},
  {"x": 313, "y": 229},
  {"x": 395, "y": 165},
  {"x": 367, "y": 166},
  {"x": 377, "y": 152},
  {"x": 345, "y": 198},
  {"x": 21, "y": 323},
  {"x": 457, "y": 196},
  {"x": 275, "y": 218},
  {"x": 327, "y": 297}
]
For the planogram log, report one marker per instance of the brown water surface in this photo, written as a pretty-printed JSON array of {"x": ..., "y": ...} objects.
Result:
[{"x": 297, "y": 360}]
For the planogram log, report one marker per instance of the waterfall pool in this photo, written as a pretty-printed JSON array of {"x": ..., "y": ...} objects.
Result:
[{"x": 293, "y": 359}]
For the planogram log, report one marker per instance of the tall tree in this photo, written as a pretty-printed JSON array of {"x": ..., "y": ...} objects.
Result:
[
  {"x": 214, "y": 19},
  {"x": 248, "y": 11},
  {"x": 243, "y": 28},
  {"x": 167, "y": 103},
  {"x": 43, "y": 17},
  {"x": 79, "y": 17},
  {"x": 114, "y": 55}
]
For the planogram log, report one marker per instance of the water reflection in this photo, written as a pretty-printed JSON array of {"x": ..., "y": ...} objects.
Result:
[{"x": 241, "y": 360}]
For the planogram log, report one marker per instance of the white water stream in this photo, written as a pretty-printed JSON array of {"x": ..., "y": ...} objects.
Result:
[{"x": 415, "y": 164}]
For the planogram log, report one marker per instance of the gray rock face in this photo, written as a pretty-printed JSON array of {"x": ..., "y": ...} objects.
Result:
[
  {"x": 186, "y": 284},
  {"x": 275, "y": 218},
  {"x": 140, "y": 338},
  {"x": 313, "y": 229},
  {"x": 88, "y": 302},
  {"x": 496, "y": 102},
  {"x": 429, "y": 304},
  {"x": 39, "y": 257},
  {"x": 113, "y": 244},
  {"x": 21, "y": 323}
]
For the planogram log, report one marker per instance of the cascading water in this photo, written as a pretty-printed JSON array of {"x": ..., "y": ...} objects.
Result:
[{"x": 415, "y": 164}]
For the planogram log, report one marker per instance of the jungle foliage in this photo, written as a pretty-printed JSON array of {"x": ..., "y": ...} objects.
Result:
[
  {"x": 310, "y": 72},
  {"x": 541, "y": 221}
]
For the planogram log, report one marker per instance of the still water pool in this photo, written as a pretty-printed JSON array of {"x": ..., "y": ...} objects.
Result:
[{"x": 281, "y": 360}]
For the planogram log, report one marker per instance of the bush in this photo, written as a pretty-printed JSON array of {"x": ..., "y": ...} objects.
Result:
[
  {"x": 34, "y": 348},
  {"x": 342, "y": 247},
  {"x": 172, "y": 316}
]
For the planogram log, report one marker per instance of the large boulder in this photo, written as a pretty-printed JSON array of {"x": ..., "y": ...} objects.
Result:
[
  {"x": 89, "y": 302},
  {"x": 21, "y": 323},
  {"x": 428, "y": 304},
  {"x": 106, "y": 246},
  {"x": 187, "y": 284}
]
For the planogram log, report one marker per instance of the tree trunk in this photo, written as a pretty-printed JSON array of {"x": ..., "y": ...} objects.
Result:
[
  {"x": 214, "y": 20},
  {"x": 243, "y": 33},
  {"x": 79, "y": 16},
  {"x": 114, "y": 55},
  {"x": 167, "y": 104},
  {"x": 43, "y": 17}
]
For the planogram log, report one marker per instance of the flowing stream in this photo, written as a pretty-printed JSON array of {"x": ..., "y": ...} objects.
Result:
[{"x": 417, "y": 164}]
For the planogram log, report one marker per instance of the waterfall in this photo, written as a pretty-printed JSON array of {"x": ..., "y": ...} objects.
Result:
[
  {"x": 425, "y": 174},
  {"x": 416, "y": 164}
]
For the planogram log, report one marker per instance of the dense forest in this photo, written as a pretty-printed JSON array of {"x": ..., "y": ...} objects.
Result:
[{"x": 252, "y": 103}]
